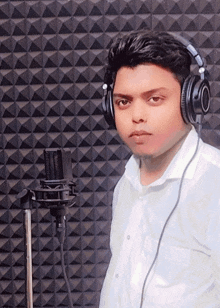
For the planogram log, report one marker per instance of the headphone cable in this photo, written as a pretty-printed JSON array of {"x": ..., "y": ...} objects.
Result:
[{"x": 199, "y": 122}]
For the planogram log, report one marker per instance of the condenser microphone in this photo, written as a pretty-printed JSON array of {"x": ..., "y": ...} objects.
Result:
[
  {"x": 57, "y": 191},
  {"x": 58, "y": 164}
]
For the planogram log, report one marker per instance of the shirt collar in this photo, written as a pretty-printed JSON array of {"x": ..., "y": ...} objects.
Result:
[{"x": 176, "y": 167}]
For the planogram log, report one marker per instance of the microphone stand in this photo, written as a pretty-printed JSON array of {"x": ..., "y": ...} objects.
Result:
[{"x": 26, "y": 203}]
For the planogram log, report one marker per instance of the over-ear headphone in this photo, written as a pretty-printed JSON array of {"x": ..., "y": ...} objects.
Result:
[{"x": 195, "y": 95}]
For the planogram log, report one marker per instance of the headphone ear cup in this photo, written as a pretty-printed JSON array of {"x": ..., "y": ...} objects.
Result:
[
  {"x": 187, "y": 110},
  {"x": 107, "y": 108},
  {"x": 195, "y": 98}
]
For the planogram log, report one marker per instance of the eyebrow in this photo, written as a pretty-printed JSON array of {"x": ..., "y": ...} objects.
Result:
[{"x": 146, "y": 93}]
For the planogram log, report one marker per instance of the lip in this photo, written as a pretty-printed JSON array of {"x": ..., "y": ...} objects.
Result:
[
  {"x": 138, "y": 133},
  {"x": 140, "y": 137}
]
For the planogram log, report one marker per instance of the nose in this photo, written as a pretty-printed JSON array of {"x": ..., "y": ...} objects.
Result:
[{"x": 138, "y": 112}]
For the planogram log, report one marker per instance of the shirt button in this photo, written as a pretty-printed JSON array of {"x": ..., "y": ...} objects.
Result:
[
  {"x": 116, "y": 276},
  {"x": 128, "y": 237}
]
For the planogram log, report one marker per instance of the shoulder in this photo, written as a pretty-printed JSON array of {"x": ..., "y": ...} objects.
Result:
[
  {"x": 207, "y": 153},
  {"x": 210, "y": 154},
  {"x": 203, "y": 188},
  {"x": 209, "y": 163}
]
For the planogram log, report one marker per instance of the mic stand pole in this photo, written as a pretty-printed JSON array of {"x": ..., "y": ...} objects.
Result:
[{"x": 26, "y": 203}]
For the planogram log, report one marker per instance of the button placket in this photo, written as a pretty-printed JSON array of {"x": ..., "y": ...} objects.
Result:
[{"x": 129, "y": 237}]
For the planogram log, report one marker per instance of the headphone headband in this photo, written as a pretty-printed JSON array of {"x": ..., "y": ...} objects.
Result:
[{"x": 193, "y": 52}]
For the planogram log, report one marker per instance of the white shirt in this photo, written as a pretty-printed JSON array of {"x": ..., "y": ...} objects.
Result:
[{"x": 187, "y": 270}]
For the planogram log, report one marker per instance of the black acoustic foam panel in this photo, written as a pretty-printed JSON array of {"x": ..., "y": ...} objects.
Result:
[{"x": 52, "y": 66}]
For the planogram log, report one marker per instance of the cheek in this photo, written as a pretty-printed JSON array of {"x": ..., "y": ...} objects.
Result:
[
  {"x": 122, "y": 129},
  {"x": 121, "y": 121},
  {"x": 169, "y": 120}
]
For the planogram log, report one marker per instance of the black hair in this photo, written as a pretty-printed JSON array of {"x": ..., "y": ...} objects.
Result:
[{"x": 143, "y": 46}]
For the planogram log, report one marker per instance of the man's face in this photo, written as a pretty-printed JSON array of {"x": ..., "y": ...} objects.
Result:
[{"x": 147, "y": 109}]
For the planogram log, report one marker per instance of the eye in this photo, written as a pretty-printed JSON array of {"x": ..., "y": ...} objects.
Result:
[
  {"x": 156, "y": 99},
  {"x": 122, "y": 103}
]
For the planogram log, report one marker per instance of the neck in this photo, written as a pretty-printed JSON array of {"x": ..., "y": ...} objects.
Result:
[{"x": 153, "y": 167}]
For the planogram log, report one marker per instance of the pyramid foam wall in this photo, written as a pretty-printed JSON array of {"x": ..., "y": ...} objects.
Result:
[{"x": 52, "y": 66}]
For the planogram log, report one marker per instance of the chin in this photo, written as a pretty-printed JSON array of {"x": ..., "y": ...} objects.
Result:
[{"x": 143, "y": 155}]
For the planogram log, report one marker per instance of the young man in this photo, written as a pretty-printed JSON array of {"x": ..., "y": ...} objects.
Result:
[{"x": 165, "y": 234}]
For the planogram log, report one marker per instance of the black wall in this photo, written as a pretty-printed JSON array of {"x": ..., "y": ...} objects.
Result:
[{"x": 52, "y": 56}]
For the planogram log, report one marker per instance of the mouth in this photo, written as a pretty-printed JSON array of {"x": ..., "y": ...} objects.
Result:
[
  {"x": 140, "y": 137},
  {"x": 139, "y": 133}
]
